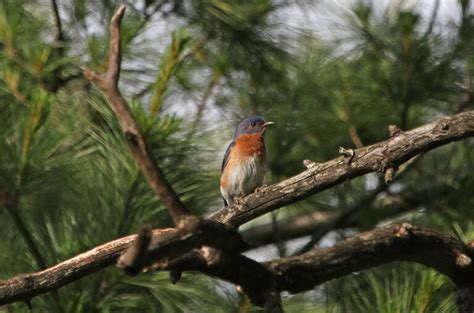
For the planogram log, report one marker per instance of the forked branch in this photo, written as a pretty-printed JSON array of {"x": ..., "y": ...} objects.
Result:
[
  {"x": 108, "y": 84},
  {"x": 391, "y": 243},
  {"x": 215, "y": 249}
]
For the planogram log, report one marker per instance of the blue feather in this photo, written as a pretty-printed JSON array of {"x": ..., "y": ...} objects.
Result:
[{"x": 226, "y": 155}]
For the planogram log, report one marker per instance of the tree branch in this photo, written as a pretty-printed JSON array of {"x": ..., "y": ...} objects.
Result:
[
  {"x": 294, "y": 274},
  {"x": 375, "y": 158},
  {"x": 25, "y": 286},
  {"x": 208, "y": 246},
  {"x": 404, "y": 242},
  {"x": 177, "y": 242},
  {"x": 317, "y": 178},
  {"x": 57, "y": 19},
  {"x": 319, "y": 223},
  {"x": 108, "y": 85}
]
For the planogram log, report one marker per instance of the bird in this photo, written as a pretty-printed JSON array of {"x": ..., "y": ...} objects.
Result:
[{"x": 244, "y": 163}]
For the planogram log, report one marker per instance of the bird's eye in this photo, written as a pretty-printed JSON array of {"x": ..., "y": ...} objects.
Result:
[{"x": 253, "y": 123}]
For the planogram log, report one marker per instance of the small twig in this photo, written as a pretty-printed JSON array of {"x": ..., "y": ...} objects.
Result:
[
  {"x": 390, "y": 171},
  {"x": 197, "y": 47},
  {"x": 142, "y": 92},
  {"x": 434, "y": 14},
  {"x": 348, "y": 153},
  {"x": 281, "y": 247},
  {"x": 393, "y": 130},
  {"x": 134, "y": 257},
  {"x": 389, "y": 174},
  {"x": 310, "y": 164},
  {"x": 57, "y": 19},
  {"x": 347, "y": 116},
  {"x": 355, "y": 136}
]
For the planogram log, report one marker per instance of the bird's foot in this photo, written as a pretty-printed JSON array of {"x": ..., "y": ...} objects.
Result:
[
  {"x": 239, "y": 200},
  {"x": 258, "y": 189}
]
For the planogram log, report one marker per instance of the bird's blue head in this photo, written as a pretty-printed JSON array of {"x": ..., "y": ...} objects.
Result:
[{"x": 252, "y": 125}]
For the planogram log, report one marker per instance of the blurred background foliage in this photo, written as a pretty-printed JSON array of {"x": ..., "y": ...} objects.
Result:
[{"x": 329, "y": 73}]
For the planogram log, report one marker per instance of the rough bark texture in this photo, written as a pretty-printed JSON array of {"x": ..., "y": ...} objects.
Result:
[
  {"x": 178, "y": 242},
  {"x": 25, "y": 286},
  {"x": 294, "y": 274},
  {"x": 317, "y": 224},
  {"x": 214, "y": 248},
  {"x": 391, "y": 243},
  {"x": 375, "y": 158}
]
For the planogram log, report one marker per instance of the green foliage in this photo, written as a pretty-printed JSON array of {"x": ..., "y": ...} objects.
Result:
[
  {"x": 62, "y": 153},
  {"x": 396, "y": 289}
]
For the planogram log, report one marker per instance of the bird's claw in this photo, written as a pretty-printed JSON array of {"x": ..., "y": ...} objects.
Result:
[{"x": 239, "y": 200}]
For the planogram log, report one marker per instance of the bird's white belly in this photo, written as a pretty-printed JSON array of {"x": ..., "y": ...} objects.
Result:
[{"x": 246, "y": 176}]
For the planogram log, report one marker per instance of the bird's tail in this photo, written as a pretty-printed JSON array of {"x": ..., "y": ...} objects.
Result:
[{"x": 225, "y": 202}]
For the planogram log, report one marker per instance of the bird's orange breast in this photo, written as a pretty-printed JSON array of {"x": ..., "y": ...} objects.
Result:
[
  {"x": 250, "y": 145},
  {"x": 246, "y": 146}
]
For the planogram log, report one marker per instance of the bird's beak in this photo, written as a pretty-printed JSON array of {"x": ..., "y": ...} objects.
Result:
[{"x": 267, "y": 124}]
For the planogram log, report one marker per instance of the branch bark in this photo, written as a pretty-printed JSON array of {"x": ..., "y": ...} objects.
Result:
[
  {"x": 25, "y": 286},
  {"x": 177, "y": 242},
  {"x": 207, "y": 246},
  {"x": 356, "y": 215},
  {"x": 391, "y": 243},
  {"x": 318, "y": 224},
  {"x": 374, "y": 158},
  {"x": 315, "y": 179},
  {"x": 108, "y": 84}
]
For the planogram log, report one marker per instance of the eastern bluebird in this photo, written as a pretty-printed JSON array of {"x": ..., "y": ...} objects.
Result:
[{"x": 244, "y": 161}]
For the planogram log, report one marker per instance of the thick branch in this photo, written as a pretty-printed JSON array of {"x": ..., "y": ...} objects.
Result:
[
  {"x": 317, "y": 223},
  {"x": 108, "y": 84},
  {"x": 387, "y": 207},
  {"x": 391, "y": 243},
  {"x": 254, "y": 278},
  {"x": 179, "y": 241},
  {"x": 374, "y": 158},
  {"x": 25, "y": 286},
  {"x": 317, "y": 178},
  {"x": 294, "y": 274},
  {"x": 214, "y": 249}
]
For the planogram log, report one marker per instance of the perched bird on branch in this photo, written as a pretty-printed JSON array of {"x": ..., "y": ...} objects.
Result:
[{"x": 244, "y": 161}]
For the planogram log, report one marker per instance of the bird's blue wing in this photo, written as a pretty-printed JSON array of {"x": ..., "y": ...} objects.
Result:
[{"x": 226, "y": 155}]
